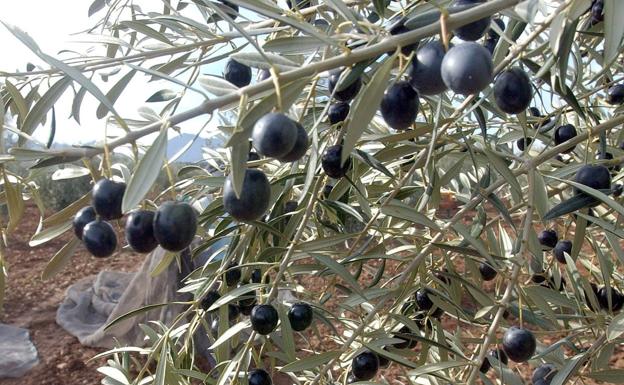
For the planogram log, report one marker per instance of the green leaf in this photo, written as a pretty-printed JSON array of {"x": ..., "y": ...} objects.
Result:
[
  {"x": 18, "y": 101},
  {"x": 238, "y": 166},
  {"x": 423, "y": 19},
  {"x": 343, "y": 207},
  {"x": 598, "y": 195},
  {"x": 76, "y": 103},
  {"x": 216, "y": 85},
  {"x": 323, "y": 243},
  {"x": 162, "y": 96},
  {"x": 114, "y": 373},
  {"x": 234, "y": 294},
  {"x": 60, "y": 259},
  {"x": 73, "y": 73},
  {"x": 569, "y": 205},
  {"x": 15, "y": 202},
  {"x": 146, "y": 172},
  {"x": 570, "y": 368},
  {"x": 272, "y": 12},
  {"x": 436, "y": 367},
  {"x": 552, "y": 296},
  {"x": 231, "y": 332},
  {"x": 616, "y": 327},
  {"x": 373, "y": 162},
  {"x": 380, "y": 6},
  {"x": 286, "y": 333},
  {"x": 611, "y": 376},
  {"x": 614, "y": 29},
  {"x": 541, "y": 195},
  {"x": 256, "y": 60},
  {"x": 476, "y": 243},
  {"x": 399, "y": 358},
  {"x": 340, "y": 271},
  {"x": 312, "y": 362},
  {"x": 365, "y": 107},
  {"x": 114, "y": 93},
  {"x": 164, "y": 263},
  {"x": 160, "y": 377},
  {"x": 68, "y": 212},
  {"x": 43, "y": 105},
  {"x": 136, "y": 312},
  {"x": 140, "y": 26},
  {"x": 400, "y": 210},
  {"x": 96, "y": 6},
  {"x": 344, "y": 11},
  {"x": 294, "y": 45},
  {"x": 503, "y": 168}
]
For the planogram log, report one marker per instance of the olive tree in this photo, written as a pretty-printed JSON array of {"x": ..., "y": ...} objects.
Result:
[{"x": 349, "y": 127}]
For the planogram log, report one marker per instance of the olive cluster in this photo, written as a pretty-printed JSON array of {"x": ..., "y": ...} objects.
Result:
[{"x": 172, "y": 226}]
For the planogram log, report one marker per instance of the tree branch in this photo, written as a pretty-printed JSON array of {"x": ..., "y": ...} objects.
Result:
[{"x": 346, "y": 59}]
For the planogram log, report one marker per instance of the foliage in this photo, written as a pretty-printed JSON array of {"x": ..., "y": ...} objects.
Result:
[{"x": 376, "y": 237}]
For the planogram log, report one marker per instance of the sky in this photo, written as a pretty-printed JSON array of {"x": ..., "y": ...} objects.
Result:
[{"x": 54, "y": 26}]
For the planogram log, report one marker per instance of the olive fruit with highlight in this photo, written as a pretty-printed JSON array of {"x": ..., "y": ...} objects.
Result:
[
  {"x": 254, "y": 198},
  {"x": 398, "y": 29},
  {"x": 495, "y": 354},
  {"x": 425, "y": 72},
  {"x": 399, "y": 105},
  {"x": 365, "y": 365},
  {"x": 561, "y": 248},
  {"x": 519, "y": 344},
  {"x": 426, "y": 304},
  {"x": 615, "y": 94},
  {"x": 523, "y": 143},
  {"x": 467, "y": 68},
  {"x": 259, "y": 377},
  {"x": 300, "y": 147},
  {"x": 99, "y": 238},
  {"x": 471, "y": 31},
  {"x": 563, "y": 134},
  {"x": 487, "y": 272},
  {"x": 237, "y": 73},
  {"x": 617, "y": 299},
  {"x": 263, "y": 319},
  {"x": 84, "y": 216},
  {"x": 300, "y": 316},
  {"x": 209, "y": 299},
  {"x": 548, "y": 238},
  {"x": 597, "y": 177},
  {"x": 338, "y": 112},
  {"x": 331, "y": 162},
  {"x": 348, "y": 92},
  {"x": 274, "y": 135},
  {"x": 175, "y": 224},
  {"x": 408, "y": 342},
  {"x": 233, "y": 275},
  {"x": 107, "y": 197},
  {"x": 140, "y": 231},
  {"x": 512, "y": 91},
  {"x": 544, "y": 374}
]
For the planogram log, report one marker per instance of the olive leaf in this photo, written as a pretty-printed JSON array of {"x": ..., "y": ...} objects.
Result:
[
  {"x": 146, "y": 172},
  {"x": 365, "y": 107}
]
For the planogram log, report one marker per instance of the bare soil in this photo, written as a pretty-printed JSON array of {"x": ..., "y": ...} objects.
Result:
[{"x": 31, "y": 303}]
